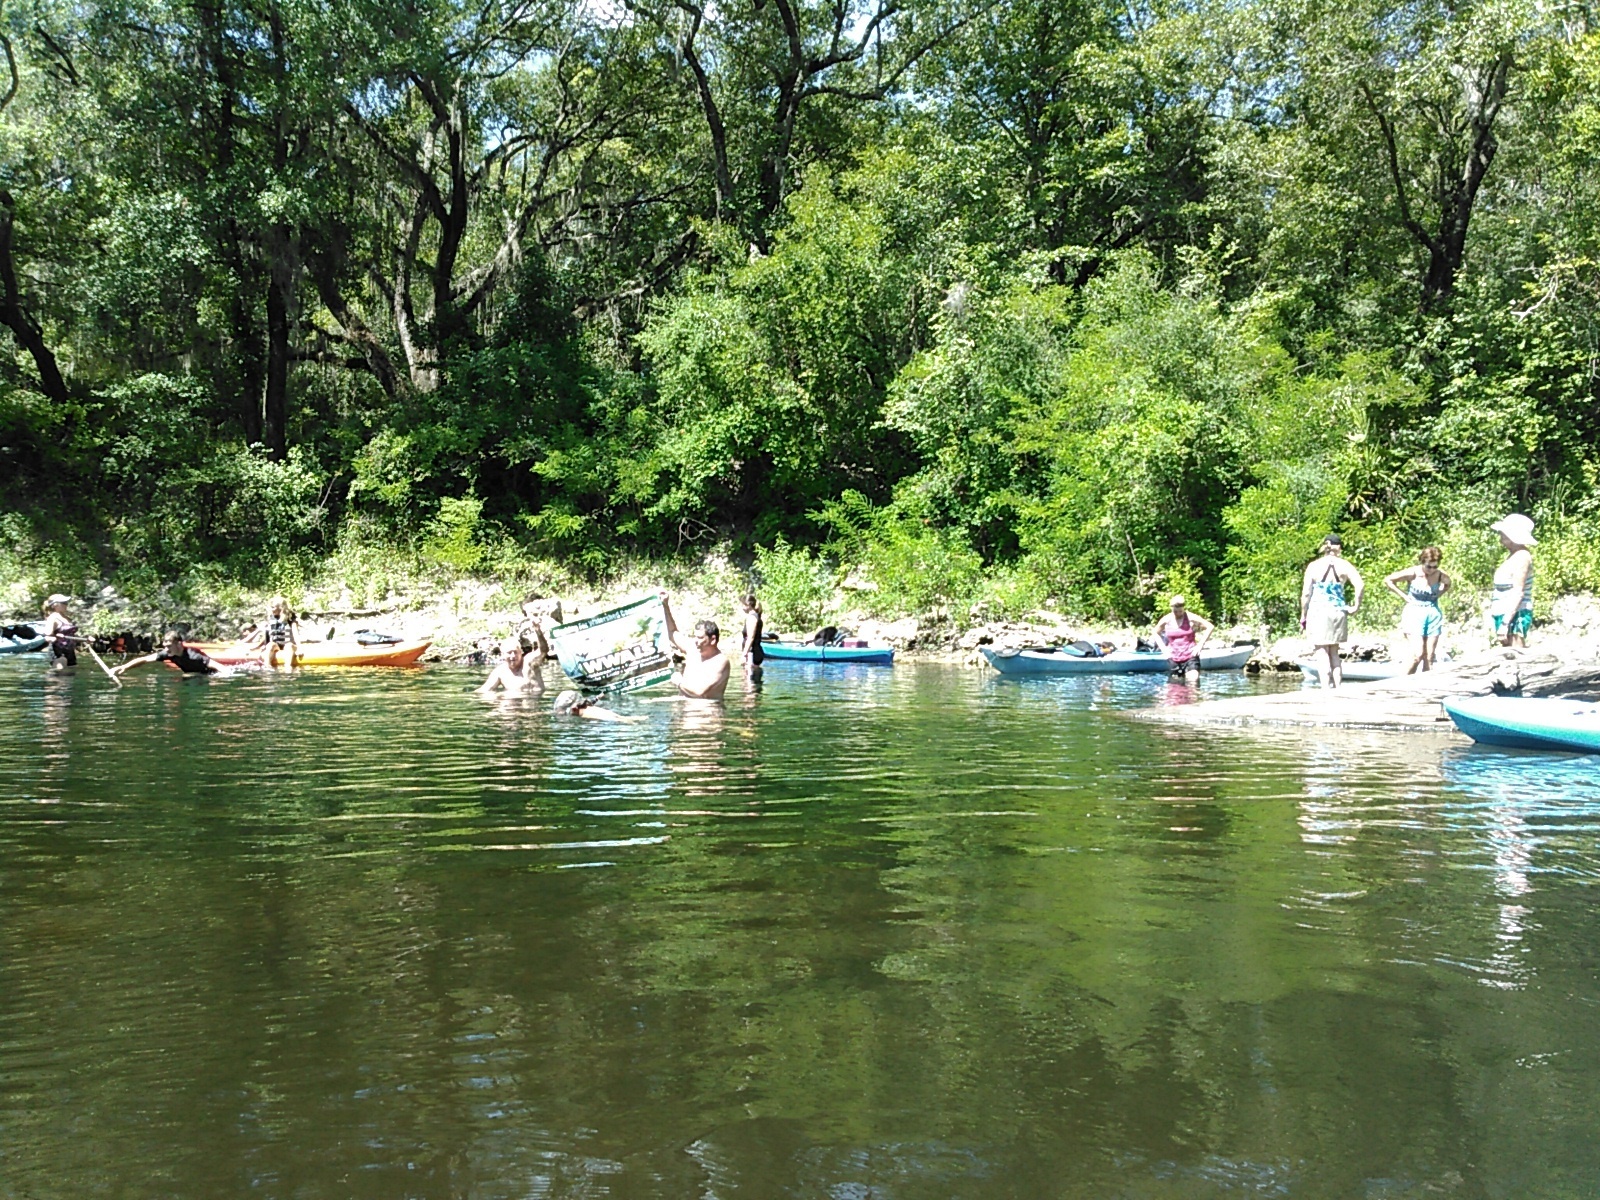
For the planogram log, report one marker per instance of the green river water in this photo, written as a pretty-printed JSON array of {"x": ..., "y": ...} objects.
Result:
[{"x": 901, "y": 933}]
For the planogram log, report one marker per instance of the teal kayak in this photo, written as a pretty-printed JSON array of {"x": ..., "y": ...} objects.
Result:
[
  {"x": 882, "y": 656},
  {"x": 1117, "y": 662},
  {"x": 1528, "y": 722},
  {"x": 11, "y": 645}
]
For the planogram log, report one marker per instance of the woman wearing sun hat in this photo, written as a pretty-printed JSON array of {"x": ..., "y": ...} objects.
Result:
[
  {"x": 1511, "y": 606},
  {"x": 62, "y": 632}
]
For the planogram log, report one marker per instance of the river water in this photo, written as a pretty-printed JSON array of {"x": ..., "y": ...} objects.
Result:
[{"x": 866, "y": 933}]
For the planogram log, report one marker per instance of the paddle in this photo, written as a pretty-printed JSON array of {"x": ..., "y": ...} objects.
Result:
[{"x": 110, "y": 674}]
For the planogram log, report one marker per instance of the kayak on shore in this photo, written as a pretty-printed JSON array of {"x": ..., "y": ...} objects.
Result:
[
  {"x": 1528, "y": 722},
  {"x": 1118, "y": 662},
  {"x": 1353, "y": 672},
  {"x": 16, "y": 645},
  {"x": 807, "y": 652},
  {"x": 322, "y": 654}
]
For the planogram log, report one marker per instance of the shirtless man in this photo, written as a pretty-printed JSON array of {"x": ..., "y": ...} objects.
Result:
[
  {"x": 705, "y": 669},
  {"x": 518, "y": 670}
]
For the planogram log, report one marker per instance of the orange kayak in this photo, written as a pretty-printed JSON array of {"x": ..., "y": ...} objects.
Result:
[{"x": 321, "y": 654}]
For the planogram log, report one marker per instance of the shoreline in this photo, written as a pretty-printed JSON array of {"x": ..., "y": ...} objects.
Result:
[{"x": 466, "y": 618}]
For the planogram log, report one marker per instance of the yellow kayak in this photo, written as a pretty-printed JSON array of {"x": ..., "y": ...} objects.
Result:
[{"x": 320, "y": 654}]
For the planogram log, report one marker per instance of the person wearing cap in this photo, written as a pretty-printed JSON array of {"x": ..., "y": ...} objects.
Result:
[
  {"x": 61, "y": 631},
  {"x": 1324, "y": 615},
  {"x": 706, "y": 668},
  {"x": 1176, "y": 631},
  {"x": 575, "y": 704},
  {"x": 1511, "y": 605}
]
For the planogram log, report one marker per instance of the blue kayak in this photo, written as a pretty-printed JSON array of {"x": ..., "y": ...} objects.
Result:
[
  {"x": 11, "y": 645},
  {"x": 1117, "y": 662},
  {"x": 882, "y": 656},
  {"x": 1528, "y": 722}
]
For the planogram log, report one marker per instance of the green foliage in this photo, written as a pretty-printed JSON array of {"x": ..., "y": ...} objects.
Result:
[
  {"x": 453, "y": 538},
  {"x": 491, "y": 285},
  {"x": 913, "y": 565},
  {"x": 795, "y": 586}
]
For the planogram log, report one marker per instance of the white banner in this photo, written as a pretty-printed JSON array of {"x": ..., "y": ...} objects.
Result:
[{"x": 619, "y": 650}]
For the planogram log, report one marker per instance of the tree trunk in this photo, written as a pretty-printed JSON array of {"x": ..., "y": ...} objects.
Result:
[
  {"x": 15, "y": 316},
  {"x": 280, "y": 320}
]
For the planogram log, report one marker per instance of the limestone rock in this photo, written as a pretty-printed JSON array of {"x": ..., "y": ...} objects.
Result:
[{"x": 901, "y": 634}]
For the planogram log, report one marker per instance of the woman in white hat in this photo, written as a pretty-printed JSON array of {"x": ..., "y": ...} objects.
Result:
[
  {"x": 62, "y": 632},
  {"x": 1511, "y": 606}
]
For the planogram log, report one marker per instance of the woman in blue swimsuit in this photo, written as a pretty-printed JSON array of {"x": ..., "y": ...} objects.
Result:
[{"x": 1421, "y": 621}]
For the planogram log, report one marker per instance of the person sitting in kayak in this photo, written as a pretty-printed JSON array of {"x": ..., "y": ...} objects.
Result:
[
  {"x": 518, "y": 670},
  {"x": 1176, "y": 631},
  {"x": 61, "y": 631},
  {"x": 277, "y": 639},
  {"x": 705, "y": 668},
  {"x": 575, "y": 704},
  {"x": 187, "y": 659}
]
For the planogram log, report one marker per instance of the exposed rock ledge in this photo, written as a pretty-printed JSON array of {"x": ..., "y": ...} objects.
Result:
[{"x": 1411, "y": 702}]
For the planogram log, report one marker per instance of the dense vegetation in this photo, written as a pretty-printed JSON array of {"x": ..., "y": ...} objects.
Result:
[{"x": 1022, "y": 302}]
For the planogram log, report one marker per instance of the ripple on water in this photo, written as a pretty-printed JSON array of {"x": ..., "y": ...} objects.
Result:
[{"x": 901, "y": 932}]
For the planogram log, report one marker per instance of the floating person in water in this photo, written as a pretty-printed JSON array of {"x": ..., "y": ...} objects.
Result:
[
  {"x": 518, "y": 670},
  {"x": 1511, "y": 606},
  {"x": 705, "y": 668},
  {"x": 174, "y": 653},
  {"x": 278, "y": 640},
  {"x": 575, "y": 704},
  {"x": 750, "y": 635},
  {"x": 1324, "y": 615},
  {"x": 1177, "y": 632},
  {"x": 1421, "y": 621},
  {"x": 61, "y": 631}
]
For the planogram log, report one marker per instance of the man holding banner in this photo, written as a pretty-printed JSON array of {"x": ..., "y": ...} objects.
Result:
[
  {"x": 705, "y": 668},
  {"x": 630, "y": 647}
]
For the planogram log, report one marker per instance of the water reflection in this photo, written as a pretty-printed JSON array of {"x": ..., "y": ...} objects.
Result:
[{"x": 909, "y": 932}]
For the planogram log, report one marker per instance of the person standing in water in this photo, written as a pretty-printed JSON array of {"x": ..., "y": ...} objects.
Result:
[
  {"x": 518, "y": 671},
  {"x": 750, "y": 635},
  {"x": 1512, "y": 602},
  {"x": 1176, "y": 631},
  {"x": 706, "y": 668},
  {"x": 61, "y": 631},
  {"x": 1324, "y": 615},
  {"x": 1421, "y": 621}
]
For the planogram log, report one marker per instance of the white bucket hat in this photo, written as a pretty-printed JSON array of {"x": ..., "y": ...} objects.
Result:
[{"x": 1518, "y": 528}]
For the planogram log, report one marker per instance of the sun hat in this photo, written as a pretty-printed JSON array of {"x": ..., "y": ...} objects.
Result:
[
  {"x": 1178, "y": 602},
  {"x": 57, "y": 598},
  {"x": 569, "y": 701},
  {"x": 1518, "y": 528}
]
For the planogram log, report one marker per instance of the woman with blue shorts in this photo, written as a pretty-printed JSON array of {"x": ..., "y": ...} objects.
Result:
[{"x": 1421, "y": 621}]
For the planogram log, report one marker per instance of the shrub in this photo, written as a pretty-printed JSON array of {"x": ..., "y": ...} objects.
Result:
[{"x": 794, "y": 584}]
